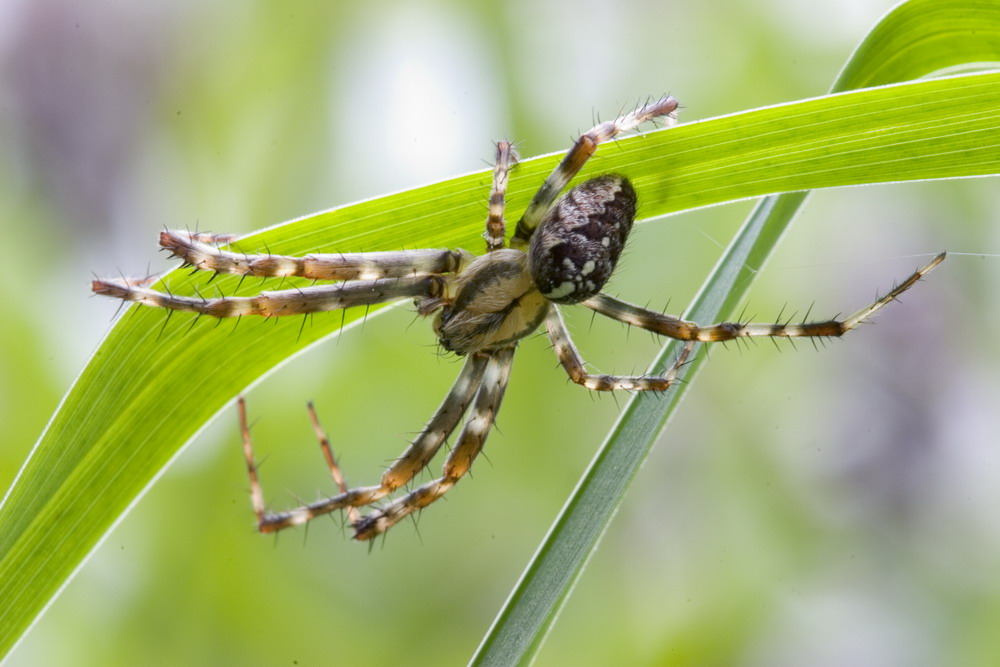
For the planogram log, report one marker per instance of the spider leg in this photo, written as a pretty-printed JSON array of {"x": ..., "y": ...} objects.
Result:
[
  {"x": 336, "y": 474},
  {"x": 269, "y": 523},
  {"x": 209, "y": 237},
  {"x": 577, "y": 156},
  {"x": 573, "y": 363},
  {"x": 469, "y": 445},
  {"x": 674, "y": 327},
  {"x": 193, "y": 250},
  {"x": 412, "y": 461},
  {"x": 441, "y": 425},
  {"x": 256, "y": 494},
  {"x": 296, "y": 301},
  {"x": 496, "y": 228}
]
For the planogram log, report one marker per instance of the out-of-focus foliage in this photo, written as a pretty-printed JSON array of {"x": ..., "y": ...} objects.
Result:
[{"x": 805, "y": 508}]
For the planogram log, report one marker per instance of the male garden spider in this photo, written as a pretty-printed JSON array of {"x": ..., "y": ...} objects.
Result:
[{"x": 563, "y": 251}]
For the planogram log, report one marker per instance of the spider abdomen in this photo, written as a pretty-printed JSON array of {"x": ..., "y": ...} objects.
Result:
[{"x": 576, "y": 247}]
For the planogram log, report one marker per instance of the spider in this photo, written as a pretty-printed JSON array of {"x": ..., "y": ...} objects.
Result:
[{"x": 562, "y": 252}]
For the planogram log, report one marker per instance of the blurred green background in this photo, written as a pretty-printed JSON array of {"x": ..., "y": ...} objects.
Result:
[{"x": 803, "y": 508}]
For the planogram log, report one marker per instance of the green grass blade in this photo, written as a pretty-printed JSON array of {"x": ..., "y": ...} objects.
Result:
[
  {"x": 155, "y": 382},
  {"x": 921, "y": 37},
  {"x": 915, "y": 39},
  {"x": 529, "y": 613}
]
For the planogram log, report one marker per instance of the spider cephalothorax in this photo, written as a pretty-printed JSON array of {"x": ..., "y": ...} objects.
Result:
[
  {"x": 495, "y": 304},
  {"x": 563, "y": 251}
]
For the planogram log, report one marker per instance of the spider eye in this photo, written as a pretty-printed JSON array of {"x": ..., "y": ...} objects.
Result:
[{"x": 577, "y": 245}]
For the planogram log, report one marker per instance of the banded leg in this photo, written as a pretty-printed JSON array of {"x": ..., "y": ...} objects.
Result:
[
  {"x": 577, "y": 156},
  {"x": 412, "y": 461},
  {"x": 573, "y": 363},
  {"x": 674, "y": 327},
  {"x": 496, "y": 228},
  {"x": 336, "y": 474},
  {"x": 296, "y": 301},
  {"x": 469, "y": 445},
  {"x": 196, "y": 250},
  {"x": 208, "y": 237}
]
